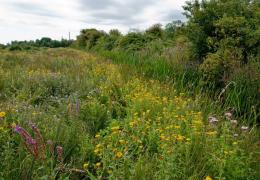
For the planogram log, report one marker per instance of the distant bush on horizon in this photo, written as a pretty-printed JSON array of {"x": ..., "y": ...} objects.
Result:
[{"x": 43, "y": 42}]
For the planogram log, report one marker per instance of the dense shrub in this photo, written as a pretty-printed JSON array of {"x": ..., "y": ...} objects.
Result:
[
  {"x": 2, "y": 46},
  {"x": 154, "y": 32},
  {"x": 133, "y": 41},
  {"x": 88, "y": 38}
]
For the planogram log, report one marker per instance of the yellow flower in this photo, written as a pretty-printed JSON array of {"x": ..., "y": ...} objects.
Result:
[
  {"x": 98, "y": 146},
  {"x": 226, "y": 152},
  {"x": 165, "y": 99},
  {"x": 169, "y": 151},
  {"x": 177, "y": 127},
  {"x": 85, "y": 166},
  {"x": 109, "y": 171},
  {"x": 211, "y": 133},
  {"x": 234, "y": 143},
  {"x": 97, "y": 135},
  {"x": 208, "y": 178},
  {"x": 97, "y": 165},
  {"x": 1, "y": 128},
  {"x": 162, "y": 137},
  {"x": 179, "y": 137},
  {"x": 119, "y": 155},
  {"x": 132, "y": 123},
  {"x": 121, "y": 141},
  {"x": 2, "y": 114},
  {"x": 13, "y": 125},
  {"x": 96, "y": 151},
  {"x": 115, "y": 128}
]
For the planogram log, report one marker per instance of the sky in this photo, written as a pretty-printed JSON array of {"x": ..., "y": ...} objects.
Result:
[{"x": 33, "y": 19}]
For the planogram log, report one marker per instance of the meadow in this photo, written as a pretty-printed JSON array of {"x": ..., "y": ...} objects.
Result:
[{"x": 68, "y": 114}]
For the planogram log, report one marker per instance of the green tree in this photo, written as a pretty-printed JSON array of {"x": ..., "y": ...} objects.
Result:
[
  {"x": 216, "y": 23},
  {"x": 155, "y": 31},
  {"x": 88, "y": 37},
  {"x": 171, "y": 28}
]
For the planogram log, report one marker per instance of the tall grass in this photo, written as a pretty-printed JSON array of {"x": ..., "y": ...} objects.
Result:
[{"x": 240, "y": 94}]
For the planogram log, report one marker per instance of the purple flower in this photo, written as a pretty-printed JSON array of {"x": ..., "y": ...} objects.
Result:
[
  {"x": 18, "y": 129},
  {"x": 33, "y": 125},
  {"x": 31, "y": 141},
  {"x": 77, "y": 106}
]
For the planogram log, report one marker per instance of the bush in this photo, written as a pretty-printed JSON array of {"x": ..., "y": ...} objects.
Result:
[
  {"x": 155, "y": 31},
  {"x": 88, "y": 38},
  {"x": 212, "y": 71},
  {"x": 133, "y": 41},
  {"x": 2, "y": 46},
  {"x": 180, "y": 53},
  {"x": 15, "y": 47}
]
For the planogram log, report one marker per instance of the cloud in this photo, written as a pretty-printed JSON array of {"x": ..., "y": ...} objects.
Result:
[
  {"x": 32, "y": 8},
  {"x": 172, "y": 15},
  {"x": 115, "y": 12},
  {"x": 96, "y": 4},
  {"x": 31, "y": 19}
]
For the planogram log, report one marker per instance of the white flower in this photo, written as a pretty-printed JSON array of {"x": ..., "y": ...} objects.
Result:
[
  {"x": 244, "y": 128},
  {"x": 235, "y": 135},
  {"x": 228, "y": 115},
  {"x": 233, "y": 123},
  {"x": 212, "y": 120}
]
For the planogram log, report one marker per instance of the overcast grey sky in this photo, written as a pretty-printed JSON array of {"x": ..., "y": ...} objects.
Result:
[{"x": 32, "y": 19}]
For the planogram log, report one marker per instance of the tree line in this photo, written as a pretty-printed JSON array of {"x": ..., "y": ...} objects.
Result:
[{"x": 43, "y": 42}]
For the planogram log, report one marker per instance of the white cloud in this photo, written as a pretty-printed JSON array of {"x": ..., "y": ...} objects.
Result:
[{"x": 32, "y": 19}]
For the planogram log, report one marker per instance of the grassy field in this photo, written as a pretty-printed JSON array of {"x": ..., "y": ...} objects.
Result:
[{"x": 66, "y": 114}]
